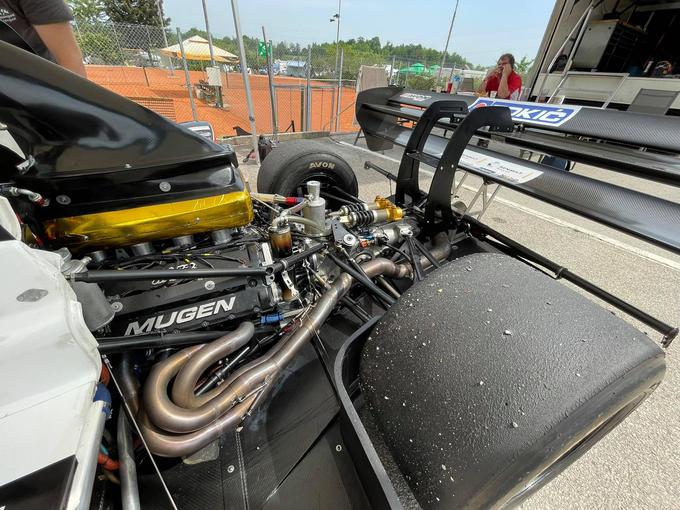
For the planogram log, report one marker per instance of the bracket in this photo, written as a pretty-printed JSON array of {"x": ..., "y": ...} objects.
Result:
[{"x": 438, "y": 204}]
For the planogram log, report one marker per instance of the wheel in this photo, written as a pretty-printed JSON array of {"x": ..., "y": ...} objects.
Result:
[
  {"x": 289, "y": 166},
  {"x": 488, "y": 379}
]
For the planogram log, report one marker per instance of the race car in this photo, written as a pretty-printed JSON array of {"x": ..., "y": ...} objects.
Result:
[{"x": 173, "y": 338}]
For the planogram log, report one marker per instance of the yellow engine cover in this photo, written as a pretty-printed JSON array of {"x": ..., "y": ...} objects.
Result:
[{"x": 113, "y": 229}]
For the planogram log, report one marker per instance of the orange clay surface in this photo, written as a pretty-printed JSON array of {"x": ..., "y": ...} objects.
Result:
[{"x": 153, "y": 86}]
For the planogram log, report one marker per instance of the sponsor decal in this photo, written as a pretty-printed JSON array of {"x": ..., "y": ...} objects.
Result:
[
  {"x": 538, "y": 114},
  {"x": 169, "y": 319},
  {"x": 321, "y": 164},
  {"x": 494, "y": 167},
  {"x": 415, "y": 97}
]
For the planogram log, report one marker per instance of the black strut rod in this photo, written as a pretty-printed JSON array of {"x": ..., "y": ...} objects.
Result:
[
  {"x": 105, "y": 275},
  {"x": 110, "y": 345},
  {"x": 363, "y": 279},
  {"x": 669, "y": 332}
]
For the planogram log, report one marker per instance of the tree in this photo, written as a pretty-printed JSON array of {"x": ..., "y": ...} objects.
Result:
[
  {"x": 88, "y": 11},
  {"x": 138, "y": 12},
  {"x": 522, "y": 67}
]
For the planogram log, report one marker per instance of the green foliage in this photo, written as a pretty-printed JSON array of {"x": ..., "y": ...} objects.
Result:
[
  {"x": 98, "y": 47},
  {"x": 420, "y": 81},
  {"x": 88, "y": 11},
  {"x": 522, "y": 67},
  {"x": 138, "y": 12}
]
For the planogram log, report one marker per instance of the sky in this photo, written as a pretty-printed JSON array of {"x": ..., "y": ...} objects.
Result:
[{"x": 482, "y": 31}]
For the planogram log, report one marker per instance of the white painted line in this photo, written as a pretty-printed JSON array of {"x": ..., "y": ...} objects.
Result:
[
  {"x": 639, "y": 252},
  {"x": 363, "y": 149},
  {"x": 551, "y": 219}
]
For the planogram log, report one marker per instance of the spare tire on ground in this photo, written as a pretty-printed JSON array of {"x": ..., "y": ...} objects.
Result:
[
  {"x": 290, "y": 165},
  {"x": 489, "y": 378}
]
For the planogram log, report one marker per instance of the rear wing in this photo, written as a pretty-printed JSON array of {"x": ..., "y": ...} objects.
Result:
[
  {"x": 634, "y": 143},
  {"x": 437, "y": 129}
]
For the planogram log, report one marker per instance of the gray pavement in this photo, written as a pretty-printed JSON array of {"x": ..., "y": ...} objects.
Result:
[{"x": 638, "y": 464}]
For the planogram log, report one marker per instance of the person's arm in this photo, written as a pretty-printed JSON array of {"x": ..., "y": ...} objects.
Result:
[
  {"x": 481, "y": 90},
  {"x": 61, "y": 43},
  {"x": 503, "y": 88}
]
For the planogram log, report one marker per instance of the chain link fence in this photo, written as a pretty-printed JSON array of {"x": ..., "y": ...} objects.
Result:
[{"x": 134, "y": 61}]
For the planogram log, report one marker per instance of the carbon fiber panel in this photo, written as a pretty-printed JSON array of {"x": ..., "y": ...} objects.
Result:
[{"x": 653, "y": 131}]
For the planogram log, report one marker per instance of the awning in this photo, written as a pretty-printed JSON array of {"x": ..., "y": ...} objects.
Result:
[{"x": 196, "y": 48}]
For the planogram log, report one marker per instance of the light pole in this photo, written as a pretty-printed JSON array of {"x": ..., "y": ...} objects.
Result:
[
  {"x": 246, "y": 79},
  {"x": 165, "y": 36},
  {"x": 336, "y": 18},
  {"x": 448, "y": 38},
  {"x": 207, "y": 29}
]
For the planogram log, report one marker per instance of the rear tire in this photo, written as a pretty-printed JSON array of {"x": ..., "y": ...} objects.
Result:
[
  {"x": 488, "y": 379},
  {"x": 288, "y": 167}
]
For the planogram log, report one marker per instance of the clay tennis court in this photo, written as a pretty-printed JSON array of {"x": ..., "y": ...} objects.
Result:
[{"x": 166, "y": 93}]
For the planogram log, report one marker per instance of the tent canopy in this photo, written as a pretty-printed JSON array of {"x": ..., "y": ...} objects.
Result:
[
  {"x": 196, "y": 48},
  {"x": 413, "y": 69}
]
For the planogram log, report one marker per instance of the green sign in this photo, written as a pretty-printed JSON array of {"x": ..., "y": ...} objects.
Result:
[{"x": 261, "y": 50}]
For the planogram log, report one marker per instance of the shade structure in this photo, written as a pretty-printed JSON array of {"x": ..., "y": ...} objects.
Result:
[
  {"x": 413, "y": 69},
  {"x": 196, "y": 48}
]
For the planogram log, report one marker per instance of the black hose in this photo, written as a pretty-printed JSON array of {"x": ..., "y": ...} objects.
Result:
[
  {"x": 364, "y": 280},
  {"x": 415, "y": 259}
]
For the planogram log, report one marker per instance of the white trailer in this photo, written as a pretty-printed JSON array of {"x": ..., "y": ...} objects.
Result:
[{"x": 611, "y": 53}]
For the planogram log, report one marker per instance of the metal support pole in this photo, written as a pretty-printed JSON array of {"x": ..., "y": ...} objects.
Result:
[
  {"x": 302, "y": 108},
  {"x": 165, "y": 36},
  {"x": 391, "y": 80},
  {"x": 148, "y": 46},
  {"x": 187, "y": 79},
  {"x": 446, "y": 48},
  {"x": 272, "y": 97},
  {"x": 207, "y": 29},
  {"x": 308, "y": 91},
  {"x": 337, "y": 37},
  {"x": 339, "y": 103},
  {"x": 246, "y": 77}
]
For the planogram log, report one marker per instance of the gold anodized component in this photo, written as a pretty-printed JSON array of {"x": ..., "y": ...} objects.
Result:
[{"x": 112, "y": 229}]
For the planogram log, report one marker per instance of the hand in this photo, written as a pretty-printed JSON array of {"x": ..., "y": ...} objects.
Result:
[
  {"x": 495, "y": 71},
  {"x": 506, "y": 69}
]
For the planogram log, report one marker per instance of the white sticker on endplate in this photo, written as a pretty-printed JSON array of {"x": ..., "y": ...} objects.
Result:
[{"x": 494, "y": 167}]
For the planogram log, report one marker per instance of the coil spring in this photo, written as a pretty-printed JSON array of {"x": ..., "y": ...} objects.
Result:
[
  {"x": 355, "y": 207},
  {"x": 362, "y": 218}
]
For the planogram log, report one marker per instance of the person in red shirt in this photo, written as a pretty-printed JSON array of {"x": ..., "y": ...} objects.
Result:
[{"x": 503, "y": 80}]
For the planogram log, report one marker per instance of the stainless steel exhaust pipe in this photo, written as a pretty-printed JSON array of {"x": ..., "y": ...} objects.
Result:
[{"x": 129, "y": 490}]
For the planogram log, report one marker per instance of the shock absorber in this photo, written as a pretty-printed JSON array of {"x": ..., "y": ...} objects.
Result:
[{"x": 365, "y": 218}]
